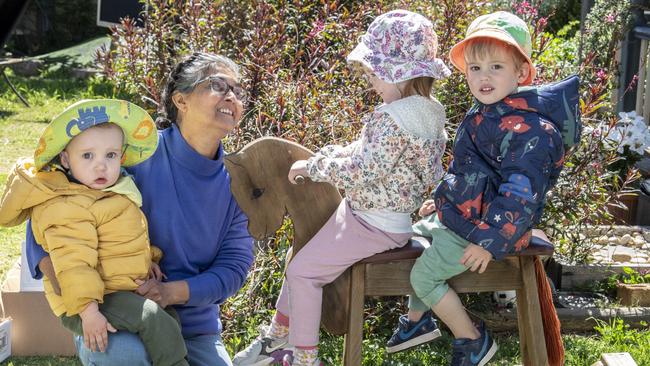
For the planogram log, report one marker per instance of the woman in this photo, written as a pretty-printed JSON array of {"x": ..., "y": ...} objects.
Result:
[{"x": 192, "y": 214}]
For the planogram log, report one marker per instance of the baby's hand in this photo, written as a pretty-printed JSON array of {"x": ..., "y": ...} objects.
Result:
[
  {"x": 427, "y": 208},
  {"x": 299, "y": 168},
  {"x": 95, "y": 328},
  {"x": 155, "y": 272},
  {"x": 476, "y": 257}
]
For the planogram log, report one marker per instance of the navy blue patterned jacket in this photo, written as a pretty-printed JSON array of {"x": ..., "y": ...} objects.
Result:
[{"x": 507, "y": 155}]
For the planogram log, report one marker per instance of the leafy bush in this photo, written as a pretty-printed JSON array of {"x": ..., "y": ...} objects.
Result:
[{"x": 631, "y": 276}]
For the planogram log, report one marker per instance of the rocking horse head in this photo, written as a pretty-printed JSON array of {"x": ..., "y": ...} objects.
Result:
[
  {"x": 263, "y": 191},
  {"x": 260, "y": 185}
]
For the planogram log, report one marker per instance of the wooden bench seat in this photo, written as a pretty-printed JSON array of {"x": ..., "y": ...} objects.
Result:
[{"x": 388, "y": 274}]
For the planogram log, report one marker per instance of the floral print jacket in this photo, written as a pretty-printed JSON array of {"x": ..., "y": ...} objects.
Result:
[
  {"x": 507, "y": 156},
  {"x": 394, "y": 162}
]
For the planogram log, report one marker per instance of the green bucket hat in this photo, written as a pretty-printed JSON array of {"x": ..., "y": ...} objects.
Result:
[
  {"x": 140, "y": 135},
  {"x": 503, "y": 26}
]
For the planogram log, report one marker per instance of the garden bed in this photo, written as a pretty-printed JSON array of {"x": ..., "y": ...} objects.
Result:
[{"x": 614, "y": 248}]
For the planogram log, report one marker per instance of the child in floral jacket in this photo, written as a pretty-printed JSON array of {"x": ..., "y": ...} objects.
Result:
[{"x": 385, "y": 173}]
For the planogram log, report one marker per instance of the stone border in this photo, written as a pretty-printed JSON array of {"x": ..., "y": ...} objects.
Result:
[
  {"x": 573, "y": 320},
  {"x": 576, "y": 276}
]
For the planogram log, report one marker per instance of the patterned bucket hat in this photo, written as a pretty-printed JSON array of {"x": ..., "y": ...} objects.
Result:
[
  {"x": 503, "y": 26},
  {"x": 141, "y": 137},
  {"x": 400, "y": 45}
]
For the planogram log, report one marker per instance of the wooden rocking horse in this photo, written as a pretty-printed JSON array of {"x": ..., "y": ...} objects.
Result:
[{"x": 260, "y": 185}]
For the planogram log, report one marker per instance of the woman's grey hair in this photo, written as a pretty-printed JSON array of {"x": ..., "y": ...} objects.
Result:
[{"x": 185, "y": 76}]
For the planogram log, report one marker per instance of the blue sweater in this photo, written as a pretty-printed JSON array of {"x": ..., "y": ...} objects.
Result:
[{"x": 197, "y": 223}]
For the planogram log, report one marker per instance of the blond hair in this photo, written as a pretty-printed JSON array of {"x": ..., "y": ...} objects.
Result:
[
  {"x": 421, "y": 85},
  {"x": 478, "y": 48},
  {"x": 418, "y": 86}
]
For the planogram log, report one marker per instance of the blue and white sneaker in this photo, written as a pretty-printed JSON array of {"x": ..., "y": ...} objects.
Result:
[
  {"x": 474, "y": 352},
  {"x": 409, "y": 335}
]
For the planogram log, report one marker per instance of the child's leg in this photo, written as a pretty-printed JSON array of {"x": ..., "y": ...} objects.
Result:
[
  {"x": 452, "y": 312},
  {"x": 429, "y": 276},
  {"x": 160, "y": 332},
  {"x": 280, "y": 322},
  {"x": 341, "y": 242},
  {"x": 73, "y": 324},
  {"x": 416, "y": 308}
]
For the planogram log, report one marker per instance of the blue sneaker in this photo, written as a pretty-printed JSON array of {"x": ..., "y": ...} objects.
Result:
[
  {"x": 409, "y": 335},
  {"x": 474, "y": 352}
]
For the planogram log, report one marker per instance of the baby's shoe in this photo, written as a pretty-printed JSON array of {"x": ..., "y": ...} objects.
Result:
[
  {"x": 264, "y": 350},
  {"x": 409, "y": 334}
]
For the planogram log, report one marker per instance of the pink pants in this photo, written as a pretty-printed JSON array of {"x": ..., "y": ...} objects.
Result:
[{"x": 342, "y": 241}]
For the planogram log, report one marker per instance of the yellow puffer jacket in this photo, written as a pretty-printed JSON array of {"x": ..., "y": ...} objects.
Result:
[{"x": 97, "y": 240}]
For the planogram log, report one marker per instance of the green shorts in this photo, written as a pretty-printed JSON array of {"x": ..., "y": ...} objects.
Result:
[{"x": 438, "y": 263}]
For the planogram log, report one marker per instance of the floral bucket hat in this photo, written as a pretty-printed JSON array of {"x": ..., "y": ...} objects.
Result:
[
  {"x": 140, "y": 135},
  {"x": 400, "y": 45},
  {"x": 503, "y": 26}
]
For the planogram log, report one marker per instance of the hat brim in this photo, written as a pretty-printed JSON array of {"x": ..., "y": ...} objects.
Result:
[
  {"x": 457, "y": 52},
  {"x": 140, "y": 134},
  {"x": 361, "y": 54}
]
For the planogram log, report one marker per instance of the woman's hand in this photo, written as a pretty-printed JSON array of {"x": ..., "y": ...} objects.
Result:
[
  {"x": 163, "y": 293},
  {"x": 476, "y": 257},
  {"x": 155, "y": 272},
  {"x": 427, "y": 208},
  {"x": 46, "y": 266},
  {"x": 299, "y": 168},
  {"x": 95, "y": 328}
]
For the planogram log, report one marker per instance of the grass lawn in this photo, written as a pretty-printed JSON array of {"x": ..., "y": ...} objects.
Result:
[{"x": 19, "y": 130}]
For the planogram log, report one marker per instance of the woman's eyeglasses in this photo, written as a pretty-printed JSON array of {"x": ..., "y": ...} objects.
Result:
[{"x": 220, "y": 86}]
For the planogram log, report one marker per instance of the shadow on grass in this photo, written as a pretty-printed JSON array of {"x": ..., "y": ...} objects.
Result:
[{"x": 6, "y": 114}]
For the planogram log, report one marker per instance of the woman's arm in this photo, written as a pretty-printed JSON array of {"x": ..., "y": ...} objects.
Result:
[
  {"x": 35, "y": 253},
  {"x": 38, "y": 260},
  {"x": 222, "y": 279}
]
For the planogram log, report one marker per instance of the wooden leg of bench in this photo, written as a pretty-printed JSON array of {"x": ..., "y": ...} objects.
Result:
[
  {"x": 531, "y": 330},
  {"x": 354, "y": 335}
]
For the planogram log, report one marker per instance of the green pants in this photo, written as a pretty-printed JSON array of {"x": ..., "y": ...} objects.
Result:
[
  {"x": 159, "y": 329},
  {"x": 437, "y": 264}
]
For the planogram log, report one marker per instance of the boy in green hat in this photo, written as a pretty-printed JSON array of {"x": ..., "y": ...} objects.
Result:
[
  {"x": 508, "y": 153},
  {"x": 85, "y": 212}
]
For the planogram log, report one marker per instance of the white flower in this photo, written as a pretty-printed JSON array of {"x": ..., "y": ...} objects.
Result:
[{"x": 630, "y": 130}]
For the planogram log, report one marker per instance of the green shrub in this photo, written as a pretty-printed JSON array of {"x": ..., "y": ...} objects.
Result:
[{"x": 620, "y": 338}]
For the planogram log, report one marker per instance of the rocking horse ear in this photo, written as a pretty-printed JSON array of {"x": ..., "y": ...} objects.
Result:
[{"x": 232, "y": 158}]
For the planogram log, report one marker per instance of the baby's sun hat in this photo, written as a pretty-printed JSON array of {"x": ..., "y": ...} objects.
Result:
[
  {"x": 400, "y": 45},
  {"x": 140, "y": 135},
  {"x": 503, "y": 26}
]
